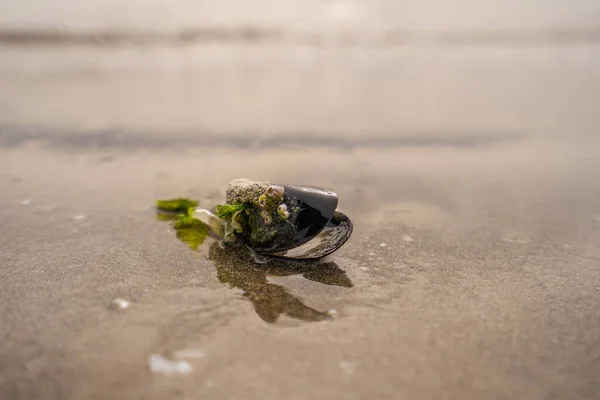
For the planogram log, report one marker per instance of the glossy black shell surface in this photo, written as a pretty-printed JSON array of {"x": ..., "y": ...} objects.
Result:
[{"x": 311, "y": 209}]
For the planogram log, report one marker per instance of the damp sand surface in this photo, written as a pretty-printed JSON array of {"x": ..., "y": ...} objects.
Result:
[{"x": 473, "y": 270}]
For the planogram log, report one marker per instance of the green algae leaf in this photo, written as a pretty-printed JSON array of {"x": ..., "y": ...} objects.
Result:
[
  {"x": 226, "y": 211},
  {"x": 191, "y": 231},
  {"x": 192, "y": 237},
  {"x": 179, "y": 205},
  {"x": 183, "y": 222}
]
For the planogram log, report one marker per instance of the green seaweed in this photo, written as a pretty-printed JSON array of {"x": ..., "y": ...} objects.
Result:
[
  {"x": 193, "y": 237},
  {"x": 190, "y": 230},
  {"x": 227, "y": 211},
  {"x": 263, "y": 235},
  {"x": 245, "y": 220},
  {"x": 185, "y": 222},
  {"x": 180, "y": 205}
]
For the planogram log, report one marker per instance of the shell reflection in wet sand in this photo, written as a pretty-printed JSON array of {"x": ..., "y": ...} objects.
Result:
[{"x": 236, "y": 267}]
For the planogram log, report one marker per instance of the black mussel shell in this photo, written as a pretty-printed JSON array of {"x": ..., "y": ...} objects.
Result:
[
  {"x": 314, "y": 228},
  {"x": 332, "y": 237}
]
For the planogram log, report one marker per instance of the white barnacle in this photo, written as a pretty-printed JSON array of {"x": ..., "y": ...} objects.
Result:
[
  {"x": 266, "y": 217},
  {"x": 271, "y": 198},
  {"x": 283, "y": 211}
]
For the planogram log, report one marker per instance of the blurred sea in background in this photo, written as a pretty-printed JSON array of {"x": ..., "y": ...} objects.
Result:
[{"x": 356, "y": 71}]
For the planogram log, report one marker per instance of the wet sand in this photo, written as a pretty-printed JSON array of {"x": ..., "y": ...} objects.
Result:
[
  {"x": 487, "y": 286},
  {"x": 471, "y": 175}
]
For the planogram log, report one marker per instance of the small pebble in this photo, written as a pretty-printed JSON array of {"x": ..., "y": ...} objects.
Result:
[
  {"x": 79, "y": 217},
  {"x": 364, "y": 268},
  {"x": 407, "y": 238},
  {"x": 120, "y": 304},
  {"x": 333, "y": 312},
  {"x": 26, "y": 202},
  {"x": 382, "y": 245}
]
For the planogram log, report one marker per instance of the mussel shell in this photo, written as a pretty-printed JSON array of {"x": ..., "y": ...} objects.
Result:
[
  {"x": 337, "y": 231},
  {"x": 316, "y": 207}
]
